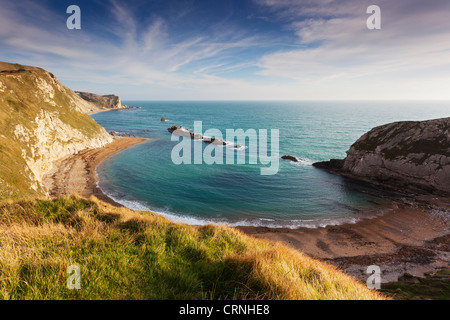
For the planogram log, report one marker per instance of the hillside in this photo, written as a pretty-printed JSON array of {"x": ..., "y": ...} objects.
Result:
[
  {"x": 105, "y": 102},
  {"x": 408, "y": 155},
  {"x": 41, "y": 121},
  {"x": 124, "y": 254}
]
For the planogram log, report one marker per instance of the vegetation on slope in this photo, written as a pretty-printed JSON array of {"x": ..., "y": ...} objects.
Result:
[
  {"x": 25, "y": 93},
  {"x": 434, "y": 286},
  {"x": 102, "y": 102},
  {"x": 122, "y": 254},
  {"x": 125, "y": 254}
]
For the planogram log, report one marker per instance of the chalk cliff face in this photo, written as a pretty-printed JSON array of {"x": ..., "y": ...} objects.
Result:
[
  {"x": 409, "y": 155},
  {"x": 105, "y": 102},
  {"x": 41, "y": 121}
]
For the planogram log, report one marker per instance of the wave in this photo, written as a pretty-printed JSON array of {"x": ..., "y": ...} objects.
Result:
[
  {"x": 254, "y": 222},
  {"x": 302, "y": 162},
  {"x": 234, "y": 146},
  {"x": 228, "y": 144}
]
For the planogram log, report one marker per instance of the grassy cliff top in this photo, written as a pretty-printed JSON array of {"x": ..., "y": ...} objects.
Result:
[
  {"x": 6, "y": 67},
  {"x": 400, "y": 139},
  {"x": 102, "y": 102},
  {"x": 124, "y": 254},
  {"x": 36, "y": 112}
]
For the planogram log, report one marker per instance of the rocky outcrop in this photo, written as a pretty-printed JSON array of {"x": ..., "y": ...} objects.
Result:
[
  {"x": 411, "y": 155},
  {"x": 105, "y": 102},
  {"x": 41, "y": 121},
  {"x": 333, "y": 164},
  {"x": 291, "y": 158},
  {"x": 183, "y": 132}
]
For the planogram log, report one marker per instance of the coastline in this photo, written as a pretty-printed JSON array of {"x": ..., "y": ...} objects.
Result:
[
  {"x": 76, "y": 174},
  {"x": 98, "y": 111},
  {"x": 111, "y": 109},
  {"x": 406, "y": 238},
  {"x": 104, "y": 110}
]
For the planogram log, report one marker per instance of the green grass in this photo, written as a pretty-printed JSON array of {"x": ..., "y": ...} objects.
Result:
[
  {"x": 20, "y": 103},
  {"x": 125, "y": 254},
  {"x": 379, "y": 136},
  {"x": 435, "y": 286}
]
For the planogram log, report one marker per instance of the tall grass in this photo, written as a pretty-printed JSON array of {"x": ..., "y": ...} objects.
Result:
[{"x": 125, "y": 254}]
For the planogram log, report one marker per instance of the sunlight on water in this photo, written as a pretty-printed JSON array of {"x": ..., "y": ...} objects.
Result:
[{"x": 144, "y": 176}]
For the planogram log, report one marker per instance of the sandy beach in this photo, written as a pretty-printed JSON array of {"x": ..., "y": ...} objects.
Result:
[
  {"x": 405, "y": 238},
  {"x": 109, "y": 109},
  {"x": 76, "y": 174}
]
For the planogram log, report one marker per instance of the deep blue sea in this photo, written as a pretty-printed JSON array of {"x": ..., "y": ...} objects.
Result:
[{"x": 144, "y": 176}]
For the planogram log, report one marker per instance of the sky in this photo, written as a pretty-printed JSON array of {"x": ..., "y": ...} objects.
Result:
[{"x": 236, "y": 49}]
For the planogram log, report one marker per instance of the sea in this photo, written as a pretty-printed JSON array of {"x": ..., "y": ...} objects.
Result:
[{"x": 146, "y": 177}]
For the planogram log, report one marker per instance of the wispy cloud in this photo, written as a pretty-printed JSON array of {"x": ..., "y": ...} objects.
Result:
[
  {"x": 332, "y": 54},
  {"x": 341, "y": 51},
  {"x": 144, "y": 55}
]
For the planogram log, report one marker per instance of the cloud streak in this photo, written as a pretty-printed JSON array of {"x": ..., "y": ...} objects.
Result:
[
  {"x": 331, "y": 55},
  {"x": 341, "y": 51}
]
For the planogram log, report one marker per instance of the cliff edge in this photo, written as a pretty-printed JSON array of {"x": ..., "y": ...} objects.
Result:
[
  {"x": 41, "y": 121},
  {"x": 409, "y": 156},
  {"x": 101, "y": 103}
]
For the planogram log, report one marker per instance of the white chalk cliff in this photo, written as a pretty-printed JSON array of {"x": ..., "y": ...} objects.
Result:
[{"x": 41, "y": 121}]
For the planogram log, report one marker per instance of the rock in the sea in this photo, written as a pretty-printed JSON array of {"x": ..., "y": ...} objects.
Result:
[
  {"x": 118, "y": 134},
  {"x": 163, "y": 119},
  {"x": 332, "y": 164},
  {"x": 292, "y": 158},
  {"x": 173, "y": 128},
  {"x": 184, "y": 132},
  {"x": 214, "y": 141},
  {"x": 408, "y": 155},
  {"x": 196, "y": 136}
]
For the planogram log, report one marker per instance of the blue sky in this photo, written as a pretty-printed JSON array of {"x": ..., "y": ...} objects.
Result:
[{"x": 236, "y": 50}]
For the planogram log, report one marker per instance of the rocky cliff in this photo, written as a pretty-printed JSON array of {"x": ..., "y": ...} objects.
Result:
[
  {"x": 105, "y": 102},
  {"x": 41, "y": 121},
  {"x": 410, "y": 155}
]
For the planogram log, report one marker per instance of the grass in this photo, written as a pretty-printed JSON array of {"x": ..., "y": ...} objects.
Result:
[
  {"x": 435, "y": 286},
  {"x": 21, "y": 102},
  {"x": 125, "y": 254},
  {"x": 423, "y": 147}
]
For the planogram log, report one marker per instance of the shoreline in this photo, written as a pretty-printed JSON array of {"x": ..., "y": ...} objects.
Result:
[
  {"x": 404, "y": 239},
  {"x": 76, "y": 174},
  {"x": 104, "y": 110}
]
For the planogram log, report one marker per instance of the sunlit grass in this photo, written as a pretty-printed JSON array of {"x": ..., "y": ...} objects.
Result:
[{"x": 125, "y": 254}]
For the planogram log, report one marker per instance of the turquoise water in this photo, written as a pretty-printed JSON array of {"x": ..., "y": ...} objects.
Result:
[{"x": 144, "y": 176}]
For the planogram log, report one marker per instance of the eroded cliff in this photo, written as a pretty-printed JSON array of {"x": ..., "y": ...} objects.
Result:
[
  {"x": 409, "y": 155},
  {"x": 41, "y": 121},
  {"x": 105, "y": 102}
]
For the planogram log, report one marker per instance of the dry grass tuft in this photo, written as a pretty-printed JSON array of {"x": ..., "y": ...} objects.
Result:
[{"x": 125, "y": 254}]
